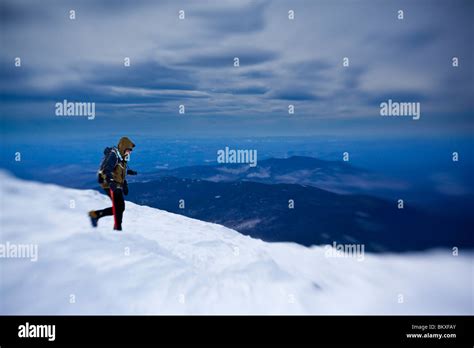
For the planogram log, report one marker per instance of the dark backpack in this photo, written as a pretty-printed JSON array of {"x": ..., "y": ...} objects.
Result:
[{"x": 100, "y": 173}]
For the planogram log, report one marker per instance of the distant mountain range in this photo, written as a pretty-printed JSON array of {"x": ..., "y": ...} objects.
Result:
[
  {"x": 334, "y": 202},
  {"x": 255, "y": 201},
  {"x": 335, "y": 176}
]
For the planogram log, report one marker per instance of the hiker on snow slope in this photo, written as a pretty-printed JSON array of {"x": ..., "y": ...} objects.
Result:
[{"x": 112, "y": 177}]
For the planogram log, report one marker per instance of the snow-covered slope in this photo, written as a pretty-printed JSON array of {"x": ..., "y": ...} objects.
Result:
[{"x": 167, "y": 263}]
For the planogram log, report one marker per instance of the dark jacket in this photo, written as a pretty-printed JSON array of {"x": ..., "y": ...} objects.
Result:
[{"x": 115, "y": 167}]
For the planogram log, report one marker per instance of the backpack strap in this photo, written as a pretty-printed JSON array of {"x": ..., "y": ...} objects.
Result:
[
  {"x": 117, "y": 153},
  {"x": 110, "y": 161}
]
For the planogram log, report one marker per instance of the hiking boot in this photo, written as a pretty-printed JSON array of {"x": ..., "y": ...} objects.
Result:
[
  {"x": 94, "y": 218},
  {"x": 118, "y": 228}
]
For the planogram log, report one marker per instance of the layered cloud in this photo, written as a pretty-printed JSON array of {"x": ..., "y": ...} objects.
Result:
[{"x": 191, "y": 61}]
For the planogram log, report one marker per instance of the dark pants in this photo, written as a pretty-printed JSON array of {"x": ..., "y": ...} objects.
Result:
[{"x": 117, "y": 208}]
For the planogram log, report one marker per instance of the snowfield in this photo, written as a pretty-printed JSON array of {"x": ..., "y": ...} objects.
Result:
[{"x": 164, "y": 263}]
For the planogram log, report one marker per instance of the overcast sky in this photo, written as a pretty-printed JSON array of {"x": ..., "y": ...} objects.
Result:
[{"x": 282, "y": 62}]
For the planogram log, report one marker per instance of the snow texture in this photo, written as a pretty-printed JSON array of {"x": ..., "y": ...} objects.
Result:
[{"x": 164, "y": 263}]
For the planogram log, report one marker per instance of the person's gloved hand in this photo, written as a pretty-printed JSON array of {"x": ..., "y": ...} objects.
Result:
[
  {"x": 113, "y": 185},
  {"x": 125, "y": 187},
  {"x": 131, "y": 172}
]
